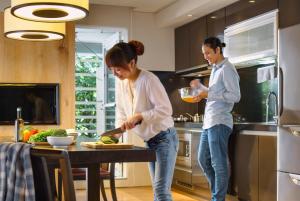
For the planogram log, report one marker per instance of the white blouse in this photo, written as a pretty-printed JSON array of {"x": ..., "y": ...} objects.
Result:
[{"x": 148, "y": 97}]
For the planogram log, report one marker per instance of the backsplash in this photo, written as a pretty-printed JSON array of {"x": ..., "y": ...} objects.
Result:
[{"x": 252, "y": 105}]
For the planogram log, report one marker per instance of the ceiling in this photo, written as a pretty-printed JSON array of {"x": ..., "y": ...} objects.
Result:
[{"x": 138, "y": 5}]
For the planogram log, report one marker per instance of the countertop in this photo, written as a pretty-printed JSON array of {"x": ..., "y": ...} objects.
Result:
[{"x": 246, "y": 128}]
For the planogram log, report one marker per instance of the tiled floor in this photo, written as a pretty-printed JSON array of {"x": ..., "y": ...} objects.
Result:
[{"x": 145, "y": 194}]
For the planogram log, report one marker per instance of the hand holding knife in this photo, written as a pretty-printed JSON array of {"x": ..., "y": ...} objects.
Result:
[{"x": 119, "y": 130}]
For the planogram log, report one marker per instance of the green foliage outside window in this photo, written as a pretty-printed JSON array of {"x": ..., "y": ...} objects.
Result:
[{"x": 85, "y": 78}]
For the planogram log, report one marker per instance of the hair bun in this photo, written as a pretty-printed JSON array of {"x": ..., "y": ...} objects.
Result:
[
  {"x": 223, "y": 44},
  {"x": 138, "y": 46}
]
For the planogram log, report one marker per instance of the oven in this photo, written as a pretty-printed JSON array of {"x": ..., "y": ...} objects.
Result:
[
  {"x": 187, "y": 173},
  {"x": 184, "y": 149}
]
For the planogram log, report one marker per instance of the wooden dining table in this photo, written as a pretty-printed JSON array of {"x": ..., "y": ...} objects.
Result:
[{"x": 83, "y": 157}]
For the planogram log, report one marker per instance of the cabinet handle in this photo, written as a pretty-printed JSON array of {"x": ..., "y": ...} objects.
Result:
[
  {"x": 187, "y": 150},
  {"x": 295, "y": 179}
]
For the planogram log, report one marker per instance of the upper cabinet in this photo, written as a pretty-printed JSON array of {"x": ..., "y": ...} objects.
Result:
[
  {"x": 182, "y": 48},
  {"x": 188, "y": 44},
  {"x": 198, "y": 33},
  {"x": 289, "y": 13},
  {"x": 246, "y": 9},
  {"x": 216, "y": 24}
]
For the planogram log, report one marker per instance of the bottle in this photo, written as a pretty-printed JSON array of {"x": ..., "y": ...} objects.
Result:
[{"x": 19, "y": 125}]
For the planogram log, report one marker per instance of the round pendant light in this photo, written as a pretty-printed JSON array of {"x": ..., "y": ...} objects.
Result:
[
  {"x": 16, "y": 28},
  {"x": 50, "y": 10}
]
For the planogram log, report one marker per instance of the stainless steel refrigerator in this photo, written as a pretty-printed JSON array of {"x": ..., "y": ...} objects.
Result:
[{"x": 288, "y": 163}]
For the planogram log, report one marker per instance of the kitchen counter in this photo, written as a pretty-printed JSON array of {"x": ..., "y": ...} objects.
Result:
[{"x": 239, "y": 126}]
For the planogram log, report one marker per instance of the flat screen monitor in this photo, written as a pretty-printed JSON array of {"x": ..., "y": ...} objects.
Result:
[{"x": 39, "y": 103}]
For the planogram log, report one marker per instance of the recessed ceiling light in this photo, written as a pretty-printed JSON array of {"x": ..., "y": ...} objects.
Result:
[
  {"x": 213, "y": 17},
  {"x": 190, "y": 15},
  {"x": 252, "y": 1}
]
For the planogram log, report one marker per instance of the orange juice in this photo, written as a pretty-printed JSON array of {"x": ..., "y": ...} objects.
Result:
[{"x": 189, "y": 99}]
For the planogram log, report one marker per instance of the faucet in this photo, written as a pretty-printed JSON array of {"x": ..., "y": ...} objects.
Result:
[{"x": 275, "y": 117}]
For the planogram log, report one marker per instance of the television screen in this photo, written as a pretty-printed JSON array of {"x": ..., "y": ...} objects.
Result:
[{"x": 39, "y": 103}]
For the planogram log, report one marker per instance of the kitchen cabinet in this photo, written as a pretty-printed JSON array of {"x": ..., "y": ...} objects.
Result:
[
  {"x": 216, "y": 24},
  {"x": 198, "y": 33},
  {"x": 245, "y": 167},
  {"x": 245, "y": 9},
  {"x": 254, "y": 167},
  {"x": 289, "y": 13},
  {"x": 188, "y": 44},
  {"x": 182, "y": 45},
  {"x": 267, "y": 164}
]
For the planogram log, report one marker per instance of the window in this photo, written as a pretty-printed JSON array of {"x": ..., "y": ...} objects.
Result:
[{"x": 95, "y": 84}]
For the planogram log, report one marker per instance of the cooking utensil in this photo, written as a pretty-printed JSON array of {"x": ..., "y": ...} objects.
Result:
[
  {"x": 187, "y": 94},
  {"x": 116, "y": 131}
]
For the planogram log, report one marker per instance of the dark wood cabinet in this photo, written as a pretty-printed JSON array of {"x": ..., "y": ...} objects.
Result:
[
  {"x": 254, "y": 168},
  {"x": 188, "y": 44},
  {"x": 216, "y": 24},
  {"x": 198, "y": 33},
  {"x": 267, "y": 157},
  {"x": 245, "y": 170},
  {"x": 182, "y": 48},
  {"x": 289, "y": 14},
  {"x": 245, "y": 9}
]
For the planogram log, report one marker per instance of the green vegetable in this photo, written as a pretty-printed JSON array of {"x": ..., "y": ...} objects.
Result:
[
  {"x": 109, "y": 140},
  {"x": 59, "y": 133},
  {"x": 42, "y": 136}
]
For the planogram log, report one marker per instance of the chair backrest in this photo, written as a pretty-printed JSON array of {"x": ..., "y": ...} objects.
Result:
[{"x": 40, "y": 164}]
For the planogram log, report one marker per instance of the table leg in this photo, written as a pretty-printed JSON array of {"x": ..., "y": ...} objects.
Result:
[{"x": 93, "y": 183}]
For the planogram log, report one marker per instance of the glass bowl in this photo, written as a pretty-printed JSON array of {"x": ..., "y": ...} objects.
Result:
[{"x": 187, "y": 94}]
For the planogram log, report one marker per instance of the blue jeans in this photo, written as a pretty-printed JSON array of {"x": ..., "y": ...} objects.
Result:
[
  {"x": 213, "y": 156},
  {"x": 165, "y": 145}
]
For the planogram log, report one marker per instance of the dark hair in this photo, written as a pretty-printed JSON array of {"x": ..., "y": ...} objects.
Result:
[
  {"x": 122, "y": 53},
  {"x": 214, "y": 43}
]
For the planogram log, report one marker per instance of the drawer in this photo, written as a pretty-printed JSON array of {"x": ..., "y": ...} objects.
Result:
[
  {"x": 183, "y": 175},
  {"x": 288, "y": 150},
  {"x": 288, "y": 187}
]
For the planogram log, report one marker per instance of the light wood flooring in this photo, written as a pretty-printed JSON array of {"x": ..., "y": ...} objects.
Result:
[{"x": 145, "y": 194}]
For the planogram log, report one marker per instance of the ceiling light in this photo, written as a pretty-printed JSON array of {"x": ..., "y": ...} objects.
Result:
[
  {"x": 252, "y": 1},
  {"x": 190, "y": 15},
  {"x": 50, "y": 10},
  {"x": 213, "y": 17},
  {"x": 16, "y": 28}
]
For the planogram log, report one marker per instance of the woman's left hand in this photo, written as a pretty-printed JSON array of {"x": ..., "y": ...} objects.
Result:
[{"x": 132, "y": 121}]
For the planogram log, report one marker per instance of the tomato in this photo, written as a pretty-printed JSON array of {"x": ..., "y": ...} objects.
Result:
[{"x": 34, "y": 131}]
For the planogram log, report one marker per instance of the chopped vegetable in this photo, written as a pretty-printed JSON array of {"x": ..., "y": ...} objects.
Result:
[{"x": 109, "y": 140}]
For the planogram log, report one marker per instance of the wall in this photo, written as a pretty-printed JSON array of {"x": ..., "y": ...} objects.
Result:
[
  {"x": 41, "y": 62},
  {"x": 159, "y": 42}
]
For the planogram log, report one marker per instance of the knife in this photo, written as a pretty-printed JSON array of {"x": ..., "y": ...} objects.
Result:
[{"x": 116, "y": 130}]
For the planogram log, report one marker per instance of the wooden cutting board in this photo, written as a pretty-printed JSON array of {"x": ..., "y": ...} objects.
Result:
[{"x": 94, "y": 145}]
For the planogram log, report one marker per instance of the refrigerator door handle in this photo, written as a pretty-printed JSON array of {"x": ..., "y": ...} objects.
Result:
[
  {"x": 295, "y": 179},
  {"x": 280, "y": 91},
  {"x": 295, "y": 130}
]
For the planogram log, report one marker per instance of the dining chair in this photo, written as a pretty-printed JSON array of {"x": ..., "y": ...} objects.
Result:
[
  {"x": 106, "y": 172},
  {"x": 41, "y": 160}
]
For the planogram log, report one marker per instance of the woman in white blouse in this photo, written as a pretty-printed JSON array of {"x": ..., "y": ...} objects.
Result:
[{"x": 140, "y": 97}]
